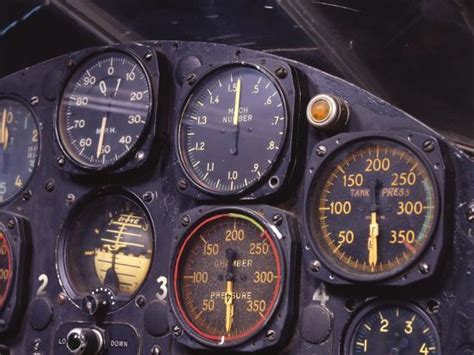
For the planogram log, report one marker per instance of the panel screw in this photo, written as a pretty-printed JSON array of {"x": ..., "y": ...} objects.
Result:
[
  {"x": 148, "y": 197},
  {"x": 140, "y": 301},
  {"x": 60, "y": 160},
  {"x": 182, "y": 184},
  {"x": 139, "y": 156},
  {"x": 433, "y": 306},
  {"x": 424, "y": 268},
  {"x": 470, "y": 211},
  {"x": 49, "y": 186},
  {"x": 270, "y": 335},
  {"x": 36, "y": 344},
  {"x": 155, "y": 350},
  {"x": 34, "y": 100},
  {"x": 177, "y": 331},
  {"x": 70, "y": 62},
  {"x": 315, "y": 266},
  {"x": 428, "y": 146},
  {"x": 70, "y": 199},
  {"x": 26, "y": 195},
  {"x": 148, "y": 56},
  {"x": 61, "y": 298},
  {"x": 11, "y": 223},
  {"x": 281, "y": 72},
  {"x": 191, "y": 79},
  {"x": 321, "y": 150},
  {"x": 185, "y": 220},
  {"x": 277, "y": 219}
]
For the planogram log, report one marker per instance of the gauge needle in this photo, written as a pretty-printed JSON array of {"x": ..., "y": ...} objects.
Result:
[
  {"x": 237, "y": 103},
  {"x": 4, "y": 131},
  {"x": 374, "y": 226},
  {"x": 101, "y": 137},
  {"x": 229, "y": 289}
]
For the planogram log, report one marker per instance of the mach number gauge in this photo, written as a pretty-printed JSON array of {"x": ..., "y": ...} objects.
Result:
[
  {"x": 19, "y": 146},
  {"x": 107, "y": 249},
  {"x": 386, "y": 328},
  {"x": 372, "y": 209},
  {"x": 232, "y": 130},
  {"x": 104, "y": 110},
  {"x": 228, "y": 276}
]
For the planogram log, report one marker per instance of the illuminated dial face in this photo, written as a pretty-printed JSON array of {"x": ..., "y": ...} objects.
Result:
[
  {"x": 109, "y": 243},
  {"x": 104, "y": 110},
  {"x": 19, "y": 147},
  {"x": 394, "y": 329},
  {"x": 227, "y": 278},
  {"x": 232, "y": 130},
  {"x": 372, "y": 209},
  {"x": 6, "y": 268}
]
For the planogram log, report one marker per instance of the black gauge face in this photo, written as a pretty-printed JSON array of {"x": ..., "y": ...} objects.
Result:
[
  {"x": 394, "y": 329},
  {"x": 19, "y": 147},
  {"x": 227, "y": 278},
  {"x": 104, "y": 110},
  {"x": 232, "y": 130},
  {"x": 6, "y": 268},
  {"x": 373, "y": 209},
  {"x": 108, "y": 244}
]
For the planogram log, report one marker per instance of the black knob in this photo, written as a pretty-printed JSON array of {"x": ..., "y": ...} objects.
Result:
[
  {"x": 95, "y": 304},
  {"x": 85, "y": 341}
]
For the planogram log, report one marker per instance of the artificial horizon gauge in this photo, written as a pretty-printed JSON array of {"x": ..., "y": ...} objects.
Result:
[
  {"x": 19, "y": 146},
  {"x": 232, "y": 130},
  {"x": 104, "y": 110},
  {"x": 372, "y": 209},
  {"x": 392, "y": 328},
  {"x": 107, "y": 246},
  {"x": 228, "y": 275}
]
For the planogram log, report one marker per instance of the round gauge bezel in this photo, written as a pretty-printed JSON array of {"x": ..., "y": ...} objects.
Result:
[
  {"x": 175, "y": 303},
  {"x": 60, "y": 112},
  {"x": 183, "y": 160},
  {"x": 352, "y": 326},
  {"x": 62, "y": 243},
  {"x": 11, "y": 271},
  {"x": 341, "y": 145},
  {"x": 25, "y": 104}
]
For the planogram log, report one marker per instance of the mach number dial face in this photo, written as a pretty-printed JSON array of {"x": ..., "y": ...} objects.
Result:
[
  {"x": 104, "y": 110},
  {"x": 227, "y": 278},
  {"x": 372, "y": 209},
  {"x": 109, "y": 244},
  {"x": 232, "y": 130},
  {"x": 394, "y": 329},
  {"x": 19, "y": 147},
  {"x": 6, "y": 268}
]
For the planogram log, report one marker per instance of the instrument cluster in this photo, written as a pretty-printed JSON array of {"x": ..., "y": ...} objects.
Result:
[{"x": 174, "y": 197}]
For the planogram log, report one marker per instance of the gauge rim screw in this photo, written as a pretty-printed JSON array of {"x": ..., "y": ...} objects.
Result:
[
  {"x": 11, "y": 223},
  {"x": 140, "y": 301},
  {"x": 470, "y": 212},
  {"x": 140, "y": 156},
  {"x": 182, "y": 184},
  {"x": 26, "y": 195},
  {"x": 148, "y": 55},
  {"x": 433, "y": 306},
  {"x": 36, "y": 344},
  {"x": 34, "y": 101},
  {"x": 177, "y": 331},
  {"x": 424, "y": 268},
  {"x": 49, "y": 186},
  {"x": 270, "y": 335},
  {"x": 277, "y": 219},
  {"x": 60, "y": 160},
  {"x": 428, "y": 145},
  {"x": 321, "y": 150},
  {"x": 185, "y": 220},
  {"x": 315, "y": 266},
  {"x": 61, "y": 298},
  {"x": 70, "y": 62},
  {"x": 70, "y": 198},
  {"x": 281, "y": 72},
  {"x": 191, "y": 78},
  {"x": 148, "y": 197},
  {"x": 155, "y": 350}
]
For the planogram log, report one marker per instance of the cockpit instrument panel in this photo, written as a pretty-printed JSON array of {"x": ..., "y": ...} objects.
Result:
[{"x": 165, "y": 197}]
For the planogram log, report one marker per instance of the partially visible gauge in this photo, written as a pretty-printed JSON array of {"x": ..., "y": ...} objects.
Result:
[
  {"x": 232, "y": 130},
  {"x": 107, "y": 248},
  {"x": 6, "y": 268},
  {"x": 19, "y": 146},
  {"x": 227, "y": 278},
  {"x": 372, "y": 209},
  {"x": 391, "y": 328},
  {"x": 104, "y": 110}
]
